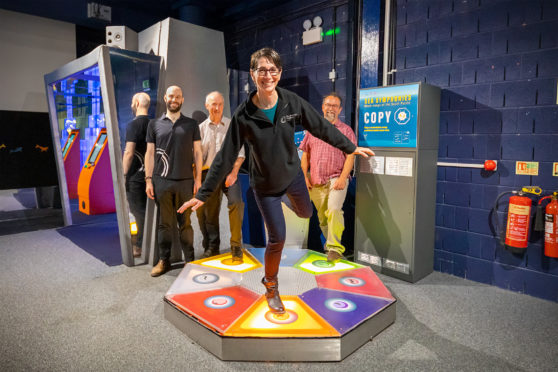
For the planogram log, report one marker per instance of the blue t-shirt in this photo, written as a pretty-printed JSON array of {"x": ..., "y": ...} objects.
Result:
[{"x": 270, "y": 113}]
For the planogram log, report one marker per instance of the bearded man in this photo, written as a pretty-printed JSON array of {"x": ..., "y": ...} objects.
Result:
[{"x": 173, "y": 145}]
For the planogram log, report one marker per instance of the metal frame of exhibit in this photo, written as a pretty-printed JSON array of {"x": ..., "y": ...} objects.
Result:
[
  {"x": 283, "y": 349},
  {"x": 100, "y": 57}
]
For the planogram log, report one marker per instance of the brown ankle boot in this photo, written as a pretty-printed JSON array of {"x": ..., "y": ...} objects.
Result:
[
  {"x": 162, "y": 267},
  {"x": 272, "y": 296},
  {"x": 237, "y": 255}
]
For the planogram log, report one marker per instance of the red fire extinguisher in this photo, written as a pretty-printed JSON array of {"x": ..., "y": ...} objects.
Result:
[
  {"x": 549, "y": 225},
  {"x": 518, "y": 222}
]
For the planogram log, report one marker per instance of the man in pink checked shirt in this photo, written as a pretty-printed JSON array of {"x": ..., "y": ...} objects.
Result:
[{"x": 330, "y": 169}]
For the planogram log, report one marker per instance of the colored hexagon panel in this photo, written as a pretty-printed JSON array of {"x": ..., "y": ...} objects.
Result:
[
  {"x": 218, "y": 308},
  {"x": 361, "y": 281},
  {"x": 317, "y": 263},
  {"x": 298, "y": 321},
  {"x": 289, "y": 256},
  {"x": 341, "y": 309},
  {"x": 225, "y": 262},
  {"x": 196, "y": 278}
]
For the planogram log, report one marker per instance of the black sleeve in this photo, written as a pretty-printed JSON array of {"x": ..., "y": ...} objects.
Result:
[
  {"x": 133, "y": 132},
  {"x": 150, "y": 137},
  {"x": 197, "y": 134},
  {"x": 224, "y": 160},
  {"x": 321, "y": 128}
]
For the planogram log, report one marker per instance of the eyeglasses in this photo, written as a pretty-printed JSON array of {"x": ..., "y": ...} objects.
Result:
[
  {"x": 328, "y": 105},
  {"x": 263, "y": 71}
]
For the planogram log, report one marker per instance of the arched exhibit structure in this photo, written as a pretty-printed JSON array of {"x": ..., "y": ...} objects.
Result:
[
  {"x": 332, "y": 309},
  {"x": 89, "y": 107}
]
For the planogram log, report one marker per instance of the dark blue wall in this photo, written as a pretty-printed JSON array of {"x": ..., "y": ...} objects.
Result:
[
  {"x": 305, "y": 68},
  {"x": 496, "y": 63}
]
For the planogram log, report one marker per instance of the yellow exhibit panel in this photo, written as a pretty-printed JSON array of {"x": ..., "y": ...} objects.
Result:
[
  {"x": 225, "y": 262},
  {"x": 298, "y": 321}
]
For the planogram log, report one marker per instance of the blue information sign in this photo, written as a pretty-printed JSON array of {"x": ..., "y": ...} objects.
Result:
[{"x": 388, "y": 116}]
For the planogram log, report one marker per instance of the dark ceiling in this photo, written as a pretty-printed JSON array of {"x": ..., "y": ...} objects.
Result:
[{"x": 140, "y": 14}]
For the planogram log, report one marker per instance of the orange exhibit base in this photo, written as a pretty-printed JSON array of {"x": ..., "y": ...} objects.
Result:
[
  {"x": 95, "y": 188},
  {"x": 331, "y": 309}
]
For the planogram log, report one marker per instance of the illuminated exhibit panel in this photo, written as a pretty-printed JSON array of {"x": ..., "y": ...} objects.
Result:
[
  {"x": 72, "y": 163},
  {"x": 218, "y": 308},
  {"x": 225, "y": 262},
  {"x": 95, "y": 190},
  {"x": 343, "y": 310},
  {"x": 289, "y": 256},
  {"x": 334, "y": 300},
  {"x": 197, "y": 278},
  {"x": 317, "y": 263},
  {"x": 360, "y": 281},
  {"x": 298, "y": 321}
]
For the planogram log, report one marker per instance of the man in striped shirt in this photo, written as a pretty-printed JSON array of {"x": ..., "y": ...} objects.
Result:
[{"x": 327, "y": 183}]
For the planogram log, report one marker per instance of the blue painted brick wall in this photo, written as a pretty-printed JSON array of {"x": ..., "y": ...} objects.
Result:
[
  {"x": 495, "y": 61},
  {"x": 305, "y": 68}
]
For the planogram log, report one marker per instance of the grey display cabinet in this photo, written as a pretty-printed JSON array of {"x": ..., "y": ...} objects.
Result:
[{"x": 396, "y": 189}]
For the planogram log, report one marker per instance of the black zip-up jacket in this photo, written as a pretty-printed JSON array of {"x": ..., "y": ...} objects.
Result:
[{"x": 274, "y": 160}]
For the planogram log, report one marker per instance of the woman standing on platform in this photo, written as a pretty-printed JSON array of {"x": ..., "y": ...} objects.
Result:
[{"x": 266, "y": 122}]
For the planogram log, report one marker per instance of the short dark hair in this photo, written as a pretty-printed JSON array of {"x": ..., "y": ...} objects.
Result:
[
  {"x": 268, "y": 53},
  {"x": 333, "y": 94}
]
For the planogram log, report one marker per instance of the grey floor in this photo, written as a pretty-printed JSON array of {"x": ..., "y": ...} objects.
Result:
[{"x": 63, "y": 310}]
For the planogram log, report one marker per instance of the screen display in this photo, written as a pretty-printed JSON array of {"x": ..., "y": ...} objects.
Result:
[
  {"x": 388, "y": 116},
  {"x": 68, "y": 144},
  {"x": 97, "y": 149}
]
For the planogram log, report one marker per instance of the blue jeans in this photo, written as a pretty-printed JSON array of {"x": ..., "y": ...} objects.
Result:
[{"x": 272, "y": 212}]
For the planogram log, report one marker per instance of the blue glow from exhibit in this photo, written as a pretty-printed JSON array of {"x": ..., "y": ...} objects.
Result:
[{"x": 79, "y": 106}]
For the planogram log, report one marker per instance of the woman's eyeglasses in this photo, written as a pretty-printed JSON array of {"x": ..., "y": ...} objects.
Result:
[{"x": 263, "y": 71}]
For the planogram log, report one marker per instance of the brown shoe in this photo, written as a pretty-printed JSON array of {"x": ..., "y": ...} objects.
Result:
[
  {"x": 162, "y": 267},
  {"x": 136, "y": 251},
  {"x": 333, "y": 256},
  {"x": 237, "y": 255},
  {"x": 210, "y": 252}
]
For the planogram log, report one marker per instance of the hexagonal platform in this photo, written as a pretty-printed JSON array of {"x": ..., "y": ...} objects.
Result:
[{"x": 332, "y": 309}]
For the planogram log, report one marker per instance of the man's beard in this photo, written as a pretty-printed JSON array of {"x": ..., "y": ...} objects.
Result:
[
  {"x": 330, "y": 117},
  {"x": 169, "y": 109}
]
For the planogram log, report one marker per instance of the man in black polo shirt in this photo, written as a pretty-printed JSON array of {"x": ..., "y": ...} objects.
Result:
[
  {"x": 173, "y": 141},
  {"x": 133, "y": 163}
]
